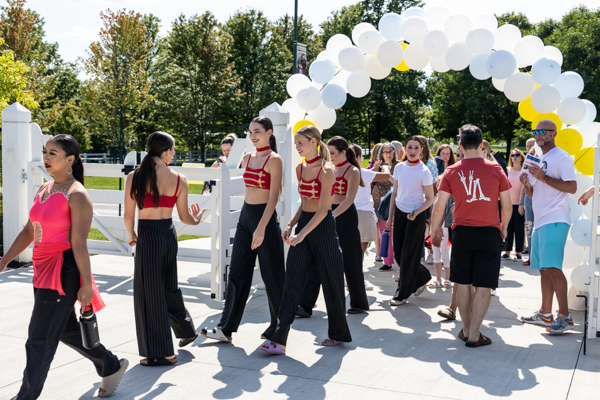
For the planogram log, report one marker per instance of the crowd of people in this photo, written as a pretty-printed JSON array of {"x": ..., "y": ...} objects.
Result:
[{"x": 462, "y": 202}]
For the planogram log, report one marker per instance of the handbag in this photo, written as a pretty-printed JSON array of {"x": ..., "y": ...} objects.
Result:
[{"x": 383, "y": 211}]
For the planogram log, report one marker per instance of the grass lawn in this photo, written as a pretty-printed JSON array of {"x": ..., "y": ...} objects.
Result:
[
  {"x": 95, "y": 234},
  {"x": 102, "y": 183}
]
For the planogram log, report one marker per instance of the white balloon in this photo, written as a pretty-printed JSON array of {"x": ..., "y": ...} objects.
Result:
[
  {"x": 369, "y": 41},
  {"x": 358, "y": 84},
  {"x": 415, "y": 57},
  {"x": 374, "y": 69},
  {"x": 507, "y": 37},
  {"x": 545, "y": 99},
  {"x": 458, "y": 56},
  {"x": 351, "y": 58},
  {"x": 322, "y": 116},
  {"x": 499, "y": 83},
  {"x": 321, "y": 71},
  {"x": 322, "y": 55},
  {"x": 335, "y": 44},
  {"x": 478, "y": 67},
  {"x": 588, "y": 210},
  {"x": 457, "y": 27},
  {"x": 296, "y": 113},
  {"x": 576, "y": 209},
  {"x": 435, "y": 17},
  {"x": 414, "y": 29},
  {"x": 438, "y": 64},
  {"x": 390, "y": 26},
  {"x": 569, "y": 84},
  {"x": 589, "y": 133},
  {"x": 390, "y": 54},
  {"x": 359, "y": 29},
  {"x": 583, "y": 183},
  {"x": 580, "y": 277},
  {"x": 295, "y": 83},
  {"x": 486, "y": 21},
  {"x": 573, "y": 255},
  {"x": 553, "y": 53},
  {"x": 435, "y": 43},
  {"x": 528, "y": 50},
  {"x": 501, "y": 64},
  {"x": 519, "y": 87},
  {"x": 413, "y": 12},
  {"x": 333, "y": 96},
  {"x": 308, "y": 99},
  {"x": 545, "y": 71},
  {"x": 590, "y": 113},
  {"x": 480, "y": 41},
  {"x": 340, "y": 79},
  {"x": 571, "y": 110}
]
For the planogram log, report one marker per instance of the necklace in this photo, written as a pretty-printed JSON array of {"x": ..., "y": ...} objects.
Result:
[
  {"x": 413, "y": 162},
  {"x": 64, "y": 183},
  {"x": 259, "y": 149},
  {"x": 342, "y": 164}
]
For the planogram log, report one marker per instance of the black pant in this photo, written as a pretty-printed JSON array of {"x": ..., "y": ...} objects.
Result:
[
  {"x": 408, "y": 245},
  {"x": 346, "y": 226},
  {"x": 53, "y": 320},
  {"x": 516, "y": 230},
  {"x": 157, "y": 299},
  {"x": 319, "y": 253},
  {"x": 243, "y": 260}
]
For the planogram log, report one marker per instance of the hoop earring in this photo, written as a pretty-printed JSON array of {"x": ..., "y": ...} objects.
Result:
[{"x": 69, "y": 170}]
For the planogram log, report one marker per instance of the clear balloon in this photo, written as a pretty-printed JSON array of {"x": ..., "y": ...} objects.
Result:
[
  {"x": 351, "y": 58},
  {"x": 374, "y": 69},
  {"x": 569, "y": 84},
  {"x": 415, "y": 57},
  {"x": 321, "y": 71},
  {"x": 358, "y": 84},
  {"x": 501, "y": 64},
  {"x": 295, "y": 83},
  {"x": 359, "y": 29},
  {"x": 322, "y": 116},
  {"x": 486, "y": 21},
  {"x": 414, "y": 29},
  {"x": 335, "y": 44},
  {"x": 545, "y": 99},
  {"x": 457, "y": 27},
  {"x": 333, "y": 96},
  {"x": 576, "y": 210},
  {"x": 507, "y": 37},
  {"x": 580, "y": 277},
  {"x": 308, "y": 99},
  {"x": 581, "y": 232},
  {"x": 590, "y": 113},
  {"x": 477, "y": 67},
  {"x": 435, "y": 17},
  {"x": 435, "y": 43},
  {"x": 438, "y": 64},
  {"x": 545, "y": 71},
  {"x": 458, "y": 56},
  {"x": 552, "y": 53},
  {"x": 571, "y": 110},
  {"x": 369, "y": 41},
  {"x": 519, "y": 87},
  {"x": 413, "y": 12},
  {"x": 390, "y": 54},
  {"x": 480, "y": 41},
  {"x": 589, "y": 133},
  {"x": 390, "y": 26}
]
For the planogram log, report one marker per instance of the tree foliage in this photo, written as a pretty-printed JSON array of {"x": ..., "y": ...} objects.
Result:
[{"x": 13, "y": 84}]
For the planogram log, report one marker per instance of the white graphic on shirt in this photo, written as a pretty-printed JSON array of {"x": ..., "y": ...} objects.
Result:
[{"x": 472, "y": 189}]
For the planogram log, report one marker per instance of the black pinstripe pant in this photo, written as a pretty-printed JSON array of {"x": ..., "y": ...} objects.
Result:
[
  {"x": 408, "y": 245},
  {"x": 319, "y": 253},
  {"x": 243, "y": 260},
  {"x": 157, "y": 299},
  {"x": 53, "y": 319},
  {"x": 346, "y": 226}
]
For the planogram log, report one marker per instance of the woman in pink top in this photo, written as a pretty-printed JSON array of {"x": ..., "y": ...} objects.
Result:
[
  {"x": 61, "y": 271},
  {"x": 516, "y": 227}
]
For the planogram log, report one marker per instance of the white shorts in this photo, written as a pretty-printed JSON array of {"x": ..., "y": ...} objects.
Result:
[{"x": 367, "y": 226}]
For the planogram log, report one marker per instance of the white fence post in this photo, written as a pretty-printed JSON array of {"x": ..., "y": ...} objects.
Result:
[{"x": 16, "y": 153}]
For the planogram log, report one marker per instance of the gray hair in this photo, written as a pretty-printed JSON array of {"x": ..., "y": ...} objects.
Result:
[{"x": 397, "y": 146}]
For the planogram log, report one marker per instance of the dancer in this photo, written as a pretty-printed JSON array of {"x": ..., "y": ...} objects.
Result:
[
  {"x": 257, "y": 234},
  {"x": 412, "y": 195},
  {"x": 157, "y": 299},
  {"x": 315, "y": 247},
  {"x": 347, "y": 181},
  {"x": 61, "y": 271}
]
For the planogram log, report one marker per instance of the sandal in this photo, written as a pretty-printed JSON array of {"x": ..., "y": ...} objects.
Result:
[
  {"x": 448, "y": 314},
  {"x": 354, "y": 310},
  {"x": 273, "y": 348},
  {"x": 461, "y": 336},
  {"x": 185, "y": 342},
  {"x": 483, "y": 341},
  {"x": 216, "y": 334},
  {"x": 110, "y": 383},
  {"x": 330, "y": 342},
  {"x": 447, "y": 283},
  {"x": 378, "y": 259},
  {"x": 435, "y": 284},
  {"x": 158, "y": 362}
]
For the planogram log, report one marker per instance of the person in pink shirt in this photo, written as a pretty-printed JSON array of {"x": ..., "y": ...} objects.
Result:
[{"x": 516, "y": 226}]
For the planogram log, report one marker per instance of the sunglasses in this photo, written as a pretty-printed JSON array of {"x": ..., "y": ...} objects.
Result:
[
  {"x": 541, "y": 131},
  {"x": 387, "y": 152},
  {"x": 515, "y": 155}
]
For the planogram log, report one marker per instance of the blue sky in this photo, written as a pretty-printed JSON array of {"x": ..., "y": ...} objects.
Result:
[{"x": 74, "y": 24}]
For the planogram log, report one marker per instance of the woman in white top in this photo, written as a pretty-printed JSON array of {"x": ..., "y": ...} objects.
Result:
[
  {"x": 516, "y": 226},
  {"x": 411, "y": 197}
]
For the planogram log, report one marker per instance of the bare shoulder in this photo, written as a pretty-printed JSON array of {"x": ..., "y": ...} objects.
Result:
[
  {"x": 79, "y": 196},
  {"x": 275, "y": 159},
  {"x": 328, "y": 169}
]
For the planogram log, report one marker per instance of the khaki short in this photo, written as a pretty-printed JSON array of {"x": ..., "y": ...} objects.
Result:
[{"x": 367, "y": 226}]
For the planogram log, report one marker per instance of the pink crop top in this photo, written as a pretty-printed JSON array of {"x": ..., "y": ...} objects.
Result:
[
  {"x": 163, "y": 201},
  {"x": 340, "y": 186},
  {"x": 257, "y": 178}
]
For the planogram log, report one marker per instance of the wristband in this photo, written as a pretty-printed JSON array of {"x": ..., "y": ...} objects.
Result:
[{"x": 545, "y": 178}]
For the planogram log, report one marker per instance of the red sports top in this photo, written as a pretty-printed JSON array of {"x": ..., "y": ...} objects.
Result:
[
  {"x": 340, "y": 186},
  {"x": 257, "y": 178},
  {"x": 309, "y": 189},
  {"x": 163, "y": 201}
]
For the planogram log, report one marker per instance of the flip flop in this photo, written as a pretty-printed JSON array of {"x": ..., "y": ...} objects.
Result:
[
  {"x": 354, "y": 310},
  {"x": 185, "y": 342},
  {"x": 331, "y": 342},
  {"x": 378, "y": 259},
  {"x": 461, "y": 336},
  {"x": 273, "y": 348},
  {"x": 216, "y": 334},
  {"x": 448, "y": 314},
  {"x": 447, "y": 283},
  {"x": 483, "y": 341},
  {"x": 158, "y": 362},
  {"x": 110, "y": 383}
]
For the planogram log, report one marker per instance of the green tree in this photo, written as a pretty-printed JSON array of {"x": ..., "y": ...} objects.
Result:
[
  {"x": 284, "y": 28},
  {"x": 13, "y": 84}
]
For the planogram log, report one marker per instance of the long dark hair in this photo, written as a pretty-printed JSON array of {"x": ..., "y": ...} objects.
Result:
[
  {"x": 144, "y": 177},
  {"x": 342, "y": 145},
  {"x": 70, "y": 145},
  {"x": 267, "y": 124},
  {"x": 451, "y": 160}
]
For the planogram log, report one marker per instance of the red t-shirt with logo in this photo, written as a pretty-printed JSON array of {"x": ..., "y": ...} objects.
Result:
[{"x": 475, "y": 184}]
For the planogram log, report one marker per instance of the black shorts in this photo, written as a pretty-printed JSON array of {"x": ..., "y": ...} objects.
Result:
[{"x": 476, "y": 256}]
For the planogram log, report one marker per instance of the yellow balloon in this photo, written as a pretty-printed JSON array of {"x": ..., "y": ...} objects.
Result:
[
  {"x": 402, "y": 66},
  {"x": 300, "y": 124},
  {"x": 526, "y": 110},
  {"x": 569, "y": 140},
  {"x": 584, "y": 161},
  {"x": 551, "y": 116}
]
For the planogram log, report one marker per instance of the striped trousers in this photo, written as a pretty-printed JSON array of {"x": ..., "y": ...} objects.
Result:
[
  {"x": 157, "y": 299},
  {"x": 408, "y": 246},
  {"x": 243, "y": 259},
  {"x": 319, "y": 253},
  {"x": 347, "y": 229}
]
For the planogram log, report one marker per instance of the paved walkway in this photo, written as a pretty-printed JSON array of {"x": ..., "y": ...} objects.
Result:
[{"x": 403, "y": 352}]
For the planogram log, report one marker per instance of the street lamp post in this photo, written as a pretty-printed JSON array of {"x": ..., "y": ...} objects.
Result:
[{"x": 295, "y": 50}]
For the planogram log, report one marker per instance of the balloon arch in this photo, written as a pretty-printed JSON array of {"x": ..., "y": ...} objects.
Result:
[{"x": 446, "y": 41}]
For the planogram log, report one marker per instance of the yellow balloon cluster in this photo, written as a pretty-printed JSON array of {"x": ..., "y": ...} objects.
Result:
[{"x": 569, "y": 140}]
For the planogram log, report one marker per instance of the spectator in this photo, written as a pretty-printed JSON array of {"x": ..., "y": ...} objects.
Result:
[
  {"x": 527, "y": 206},
  {"x": 398, "y": 149},
  {"x": 516, "y": 226},
  {"x": 226, "y": 145},
  {"x": 444, "y": 158},
  {"x": 380, "y": 189},
  {"x": 374, "y": 162}
]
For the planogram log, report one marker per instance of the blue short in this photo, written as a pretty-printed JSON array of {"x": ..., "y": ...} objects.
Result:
[{"x": 548, "y": 245}]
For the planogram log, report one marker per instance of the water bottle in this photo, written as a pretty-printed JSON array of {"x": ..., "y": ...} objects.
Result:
[
  {"x": 89, "y": 328},
  {"x": 385, "y": 243}
]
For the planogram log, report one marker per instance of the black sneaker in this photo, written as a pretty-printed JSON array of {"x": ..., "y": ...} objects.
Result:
[
  {"x": 385, "y": 268},
  {"x": 518, "y": 258},
  {"x": 505, "y": 257}
]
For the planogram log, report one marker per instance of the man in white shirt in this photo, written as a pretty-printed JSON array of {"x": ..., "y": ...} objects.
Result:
[{"x": 554, "y": 180}]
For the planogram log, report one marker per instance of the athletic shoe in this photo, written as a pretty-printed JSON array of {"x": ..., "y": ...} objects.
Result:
[
  {"x": 528, "y": 262},
  {"x": 493, "y": 292},
  {"x": 505, "y": 257},
  {"x": 561, "y": 324},
  {"x": 429, "y": 259},
  {"x": 538, "y": 319},
  {"x": 420, "y": 290},
  {"x": 518, "y": 258},
  {"x": 385, "y": 268},
  {"x": 368, "y": 286}
]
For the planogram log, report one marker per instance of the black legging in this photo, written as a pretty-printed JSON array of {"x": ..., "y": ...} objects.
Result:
[
  {"x": 346, "y": 226},
  {"x": 243, "y": 261},
  {"x": 408, "y": 246},
  {"x": 516, "y": 229}
]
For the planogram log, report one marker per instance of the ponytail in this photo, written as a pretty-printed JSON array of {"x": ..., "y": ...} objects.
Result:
[
  {"x": 324, "y": 151},
  {"x": 70, "y": 146},
  {"x": 341, "y": 144},
  {"x": 78, "y": 169},
  {"x": 273, "y": 142}
]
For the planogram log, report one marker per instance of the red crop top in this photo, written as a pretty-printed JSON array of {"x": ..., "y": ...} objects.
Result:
[
  {"x": 163, "y": 201},
  {"x": 340, "y": 186},
  {"x": 257, "y": 178},
  {"x": 310, "y": 189}
]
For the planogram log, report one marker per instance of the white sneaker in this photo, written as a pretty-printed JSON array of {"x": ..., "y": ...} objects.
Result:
[
  {"x": 429, "y": 259},
  {"x": 368, "y": 286}
]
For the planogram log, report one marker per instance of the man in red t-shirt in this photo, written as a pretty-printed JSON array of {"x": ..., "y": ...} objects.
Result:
[{"x": 475, "y": 184}]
